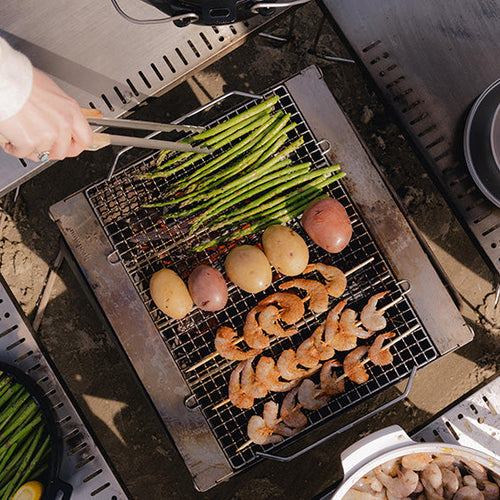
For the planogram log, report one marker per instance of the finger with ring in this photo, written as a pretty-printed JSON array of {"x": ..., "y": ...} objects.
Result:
[{"x": 44, "y": 155}]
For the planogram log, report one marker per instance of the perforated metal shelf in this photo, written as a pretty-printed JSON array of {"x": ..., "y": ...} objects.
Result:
[
  {"x": 473, "y": 421},
  {"x": 83, "y": 466},
  {"x": 431, "y": 60},
  {"x": 106, "y": 62}
]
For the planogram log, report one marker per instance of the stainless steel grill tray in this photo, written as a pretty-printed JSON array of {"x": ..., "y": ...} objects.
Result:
[
  {"x": 118, "y": 262},
  {"x": 189, "y": 340}
]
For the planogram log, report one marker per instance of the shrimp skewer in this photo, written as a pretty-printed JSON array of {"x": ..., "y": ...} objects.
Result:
[
  {"x": 268, "y": 321},
  {"x": 379, "y": 356},
  {"x": 237, "y": 396},
  {"x": 252, "y": 331},
  {"x": 306, "y": 395},
  {"x": 353, "y": 368},
  {"x": 292, "y": 306},
  {"x": 267, "y": 429},
  {"x": 287, "y": 365},
  {"x": 371, "y": 318},
  {"x": 290, "y": 410},
  {"x": 330, "y": 383},
  {"x": 291, "y": 311}
]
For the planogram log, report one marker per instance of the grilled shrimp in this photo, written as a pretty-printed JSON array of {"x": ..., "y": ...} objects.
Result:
[
  {"x": 290, "y": 410},
  {"x": 380, "y": 356},
  {"x": 348, "y": 323},
  {"x": 252, "y": 331},
  {"x": 291, "y": 306},
  {"x": 225, "y": 345},
  {"x": 329, "y": 381},
  {"x": 318, "y": 295},
  {"x": 287, "y": 366},
  {"x": 266, "y": 429},
  {"x": 353, "y": 368},
  {"x": 339, "y": 329},
  {"x": 310, "y": 397},
  {"x": 249, "y": 383},
  {"x": 325, "y": 350},
  {"x": 308, "y": 354},
  {"x": 332, "y": 322},
  {"x": 267, "y": 373},
  {"x": 336, "y": 280},
  {"x": 236, "y": 394},
  {"x": 268, "y": 321},
  {"x": 371, "y": 318}
]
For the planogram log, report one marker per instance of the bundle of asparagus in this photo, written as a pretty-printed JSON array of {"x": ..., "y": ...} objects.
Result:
[
  {"x": 247, "y": 186},
  {"x": 24, "y": 439}
]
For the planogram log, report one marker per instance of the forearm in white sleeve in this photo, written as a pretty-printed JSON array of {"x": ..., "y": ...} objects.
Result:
[{"x": 16, "y": 78}]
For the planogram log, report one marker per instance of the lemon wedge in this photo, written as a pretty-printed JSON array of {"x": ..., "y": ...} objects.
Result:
[{"x": 32, "y": 490}]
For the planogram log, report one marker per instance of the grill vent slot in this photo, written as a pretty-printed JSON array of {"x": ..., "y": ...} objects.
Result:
[{"x": 144, "y": 79}]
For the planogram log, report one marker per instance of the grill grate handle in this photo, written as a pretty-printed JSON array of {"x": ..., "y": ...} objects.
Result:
[{"x": 402, "y": 396}]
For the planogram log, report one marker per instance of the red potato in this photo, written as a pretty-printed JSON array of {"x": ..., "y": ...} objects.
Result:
[
  {"x": 327, "y": 224},
  {"x": 208, "y": 288}
]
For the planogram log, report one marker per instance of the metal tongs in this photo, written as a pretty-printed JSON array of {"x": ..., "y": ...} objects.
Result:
[{"x": 94, "y": 117}]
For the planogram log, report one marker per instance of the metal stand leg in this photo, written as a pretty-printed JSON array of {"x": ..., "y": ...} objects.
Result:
[
  {"x": 64, "y": 255},
  {"x": 314, "y": 49},
  {"x": 282, "y": 39}
]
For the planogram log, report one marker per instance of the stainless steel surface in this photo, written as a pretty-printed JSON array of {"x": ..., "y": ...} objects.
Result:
[
  {"x": 141, "y": 125},
  {"x": 139, "y": 142},
  {"x": 103, "y": 245},
  {"x": 83, "y": 465},
  {"x": 473, "y": 421},
  {"x": 431, "y": 60},
  {"x": 106, "y": 62},
  {"x": 147, "y": 351}
]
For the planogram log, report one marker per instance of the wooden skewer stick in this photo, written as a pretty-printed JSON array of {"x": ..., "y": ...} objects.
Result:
[
  {"x": 213, "y": 355},
  {"x": 387, "y": 346}
]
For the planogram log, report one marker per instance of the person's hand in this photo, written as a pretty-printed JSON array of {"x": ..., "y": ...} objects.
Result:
[{"x": 49, "y": 122}]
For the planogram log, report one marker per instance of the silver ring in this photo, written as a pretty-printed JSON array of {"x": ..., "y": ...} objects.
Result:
[{"x": 42, "y": 156}]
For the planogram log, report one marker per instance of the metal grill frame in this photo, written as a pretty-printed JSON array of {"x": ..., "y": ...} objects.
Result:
[
  {"x": 138, "y": 334},
  {"x": 190, "y": 339}
]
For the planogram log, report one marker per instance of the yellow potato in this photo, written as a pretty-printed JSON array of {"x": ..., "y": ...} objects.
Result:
[
  {"x": 248, "y": 267},
  {"x": 286, "y": 250},
  {"x": 170, "y": 294}
]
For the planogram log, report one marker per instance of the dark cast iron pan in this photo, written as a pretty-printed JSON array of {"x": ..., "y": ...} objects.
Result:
[
  {"x": 52, "y": 485},
  {"x": 482, "y": 142}
]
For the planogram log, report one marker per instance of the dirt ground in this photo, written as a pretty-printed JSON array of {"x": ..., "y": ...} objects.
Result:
[{"x": 96, "y": 371}]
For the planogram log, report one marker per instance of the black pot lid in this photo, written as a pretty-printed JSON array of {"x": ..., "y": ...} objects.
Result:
[{"x": 482, "y": 142}]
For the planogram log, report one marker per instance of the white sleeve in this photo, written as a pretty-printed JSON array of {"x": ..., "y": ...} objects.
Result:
[{"x": 16, "y": 78}]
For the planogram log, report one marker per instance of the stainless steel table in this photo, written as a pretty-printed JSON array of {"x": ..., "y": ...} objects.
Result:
[
  {"x": 430, "y": 60},
  {"x": 105, "y": 61}
]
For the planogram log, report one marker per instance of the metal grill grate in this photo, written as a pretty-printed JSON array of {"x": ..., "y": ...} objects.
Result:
[{"x": 144, "y": 245}]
